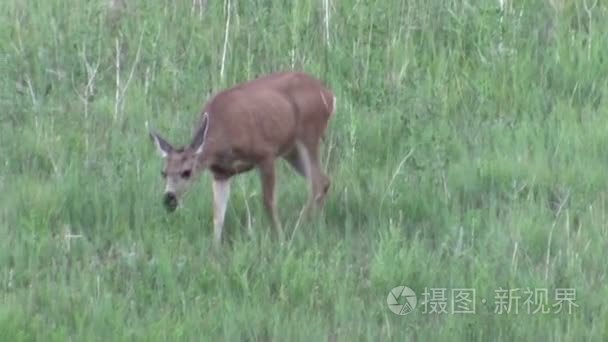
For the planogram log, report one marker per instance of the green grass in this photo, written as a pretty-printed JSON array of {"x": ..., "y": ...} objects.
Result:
[{"x": 455, "y": 163}]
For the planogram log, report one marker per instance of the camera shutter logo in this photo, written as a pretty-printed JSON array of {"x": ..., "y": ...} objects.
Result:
[{"x": 401, "y": 300}]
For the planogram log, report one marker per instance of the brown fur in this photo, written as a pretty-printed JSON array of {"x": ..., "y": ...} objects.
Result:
[{"x": 250, "y": 125}]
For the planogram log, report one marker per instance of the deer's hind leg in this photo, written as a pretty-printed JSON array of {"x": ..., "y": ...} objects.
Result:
[
  {"x": 320, "y": 182},
  {"x": 268, "y": 178},
  {"x": 304, "y": 159},
  {"x": 299, "y": 160}
]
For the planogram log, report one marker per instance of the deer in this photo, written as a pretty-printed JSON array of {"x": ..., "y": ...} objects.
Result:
[{"x": 251, "y": 125}]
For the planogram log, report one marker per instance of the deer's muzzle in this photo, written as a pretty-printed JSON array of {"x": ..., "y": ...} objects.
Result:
[{"x": 170, "y": 201}]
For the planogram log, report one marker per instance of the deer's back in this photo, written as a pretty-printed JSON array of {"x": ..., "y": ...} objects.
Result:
[{"x": 271, "y": 112}]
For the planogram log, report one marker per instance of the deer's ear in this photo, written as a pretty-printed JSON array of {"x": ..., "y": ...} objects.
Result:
[
  {"x": 163, "y": 147},
  {"x": 199, "y": 137}
]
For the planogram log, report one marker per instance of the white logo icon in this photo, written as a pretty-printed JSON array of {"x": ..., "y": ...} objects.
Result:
[{"x": 401, "y": 300}]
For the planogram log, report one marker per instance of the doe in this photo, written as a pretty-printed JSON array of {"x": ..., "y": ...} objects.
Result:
[{"x": 251, "y": 125}]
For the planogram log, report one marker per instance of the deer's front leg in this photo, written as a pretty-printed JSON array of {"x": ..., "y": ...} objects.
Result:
[
  {"x": 267, "y": 173},
  {"x": 221, "y": 193}
]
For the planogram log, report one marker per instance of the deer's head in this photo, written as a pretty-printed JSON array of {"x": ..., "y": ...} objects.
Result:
[{"x": 180, "y": 167}]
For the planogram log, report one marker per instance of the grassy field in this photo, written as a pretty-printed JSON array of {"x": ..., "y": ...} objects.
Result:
[{"x": 468, "y": 157}]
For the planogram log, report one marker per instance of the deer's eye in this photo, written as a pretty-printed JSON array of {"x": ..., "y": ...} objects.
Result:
[
  {"x": 186, "y": 174},
  {"x": 163, "y": 174}
]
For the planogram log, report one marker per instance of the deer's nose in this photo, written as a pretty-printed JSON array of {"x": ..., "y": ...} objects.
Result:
[{"x": 170, "y": 201}]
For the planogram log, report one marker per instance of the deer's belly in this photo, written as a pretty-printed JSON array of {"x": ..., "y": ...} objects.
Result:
[{"x": 229, "y": 166}]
